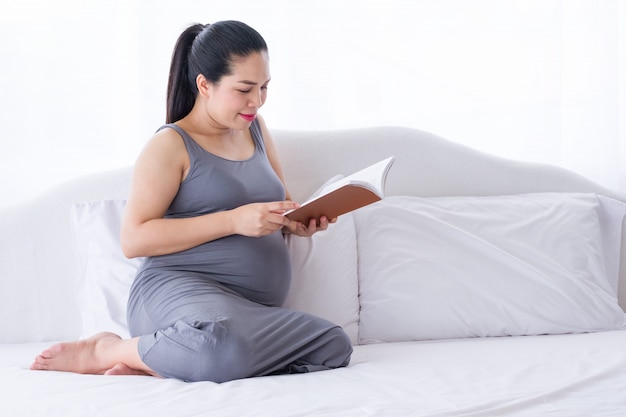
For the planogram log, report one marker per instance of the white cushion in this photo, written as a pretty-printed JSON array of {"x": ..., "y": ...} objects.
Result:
[
  {"x": 324, "y": 270},
  {"x": 105, "y": 273},
  {"x": 456, "y": 267},
  {"x": 324, "y": 275}
]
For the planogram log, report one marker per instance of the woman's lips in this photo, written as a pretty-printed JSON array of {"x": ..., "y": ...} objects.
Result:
[{"x": 248, "y": 117}]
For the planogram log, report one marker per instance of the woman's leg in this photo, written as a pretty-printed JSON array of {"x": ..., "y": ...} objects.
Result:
[
  {"x": 100, "y": 354},
  {"x": 196, "y": 330}
]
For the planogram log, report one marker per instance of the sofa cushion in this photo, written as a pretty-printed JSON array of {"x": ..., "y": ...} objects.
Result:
[
  {"x": 105, "y": 273},
  {"x": 324, "y": 270},
  {"x": 324, "y": 275},
  {"x": 452, "y": 267}
]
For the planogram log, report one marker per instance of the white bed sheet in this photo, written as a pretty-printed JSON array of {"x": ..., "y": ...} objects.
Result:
[{"x": 561, "y": 375}]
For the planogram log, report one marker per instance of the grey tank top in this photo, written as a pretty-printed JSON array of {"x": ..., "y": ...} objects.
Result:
[{"x": 257, "y": 268}]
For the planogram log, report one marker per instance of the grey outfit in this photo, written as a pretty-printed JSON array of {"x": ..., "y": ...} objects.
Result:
[{"x": 212, "y": 312}]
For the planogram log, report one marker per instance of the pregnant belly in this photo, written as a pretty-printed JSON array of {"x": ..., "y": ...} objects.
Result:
[{"x": 257, "y": 268}]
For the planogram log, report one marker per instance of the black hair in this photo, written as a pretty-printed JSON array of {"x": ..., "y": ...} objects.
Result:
[{"x": 208, "y": 50}]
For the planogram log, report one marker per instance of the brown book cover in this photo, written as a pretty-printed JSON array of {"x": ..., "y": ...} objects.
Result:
[{"x": 346, "y": 194}]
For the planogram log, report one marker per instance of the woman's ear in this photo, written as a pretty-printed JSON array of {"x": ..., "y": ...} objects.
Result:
[{"x": 203, "y": 85}]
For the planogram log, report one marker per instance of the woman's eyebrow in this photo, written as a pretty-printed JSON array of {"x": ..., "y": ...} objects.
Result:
[{"x": 248, "y": 82}]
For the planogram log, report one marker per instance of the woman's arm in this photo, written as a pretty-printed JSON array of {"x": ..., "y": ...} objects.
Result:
[{"x": 159, "y": 170}]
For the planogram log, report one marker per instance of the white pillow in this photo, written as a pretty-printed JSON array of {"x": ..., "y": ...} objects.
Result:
[
  {"x": 456, "y": 267},
  {"x": 324, "y": 275},
  {"x": 324, "y": 270},
  {"x": 105, "y": 273}
]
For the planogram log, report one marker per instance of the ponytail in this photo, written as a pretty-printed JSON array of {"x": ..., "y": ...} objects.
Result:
[
  {"x": 181, "y": 94},
  {"x": 208, "y": 50}
]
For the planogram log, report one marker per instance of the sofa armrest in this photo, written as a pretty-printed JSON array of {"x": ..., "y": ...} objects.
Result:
[{"x": 38, "y": 267}]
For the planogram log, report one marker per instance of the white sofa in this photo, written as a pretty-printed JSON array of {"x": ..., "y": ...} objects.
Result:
[{"x": 480, "y": 286}]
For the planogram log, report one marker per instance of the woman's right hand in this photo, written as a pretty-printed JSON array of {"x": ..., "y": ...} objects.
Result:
[{"x": 260, "y": 219}]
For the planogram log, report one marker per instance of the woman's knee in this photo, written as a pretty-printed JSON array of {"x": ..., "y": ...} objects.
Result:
[
  {"x": 199, "y": 351},
  {"x": 338, "y": 348}
]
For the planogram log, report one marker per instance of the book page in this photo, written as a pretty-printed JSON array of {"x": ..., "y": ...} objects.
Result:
[
  {"x": 373, "y": 178},
  {"x": 343, "y": 195}
]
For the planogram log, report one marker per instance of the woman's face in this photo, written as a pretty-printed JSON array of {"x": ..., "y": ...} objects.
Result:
[{"x": 234, "y": 101}]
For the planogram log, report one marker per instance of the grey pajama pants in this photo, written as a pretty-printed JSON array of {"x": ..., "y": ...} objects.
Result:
[{"x": 195, "y": 329}]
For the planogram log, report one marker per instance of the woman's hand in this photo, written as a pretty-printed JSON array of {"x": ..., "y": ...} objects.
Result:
[
  {"x": 260, "y": 219},
  {"x": 299, "y": 229}
]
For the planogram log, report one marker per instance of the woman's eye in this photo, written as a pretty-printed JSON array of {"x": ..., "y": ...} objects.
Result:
[{"x": 244, "y": 91}]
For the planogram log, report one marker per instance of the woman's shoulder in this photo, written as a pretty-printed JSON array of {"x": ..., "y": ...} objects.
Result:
[
  {"x": 169, "y": 130},
  {"x": 262, "y": 129},
  {"x": 166, "y": 145},
  {"x": 168, "y": 136},
  {"x": 260, "y": 121}
]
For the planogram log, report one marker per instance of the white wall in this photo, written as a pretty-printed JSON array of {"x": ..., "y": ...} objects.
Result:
[{"x": 82, "y": 85}]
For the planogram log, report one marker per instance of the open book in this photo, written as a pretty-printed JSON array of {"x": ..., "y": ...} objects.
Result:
[{"x": 345, "y": 194}]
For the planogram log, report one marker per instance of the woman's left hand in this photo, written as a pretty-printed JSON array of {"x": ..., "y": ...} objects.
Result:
[{"x": 299, "y": 229}]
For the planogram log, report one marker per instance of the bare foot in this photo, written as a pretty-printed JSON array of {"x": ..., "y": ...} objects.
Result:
[
  {"x": 83, "y": 356},
  {"x": 122, "y": 369}
]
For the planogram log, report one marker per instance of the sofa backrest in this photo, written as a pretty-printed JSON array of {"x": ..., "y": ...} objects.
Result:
[{"x": 426, "y": 165}]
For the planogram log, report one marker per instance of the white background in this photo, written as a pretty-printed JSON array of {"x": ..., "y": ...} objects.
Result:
[{"x": 82, "y": 83}]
